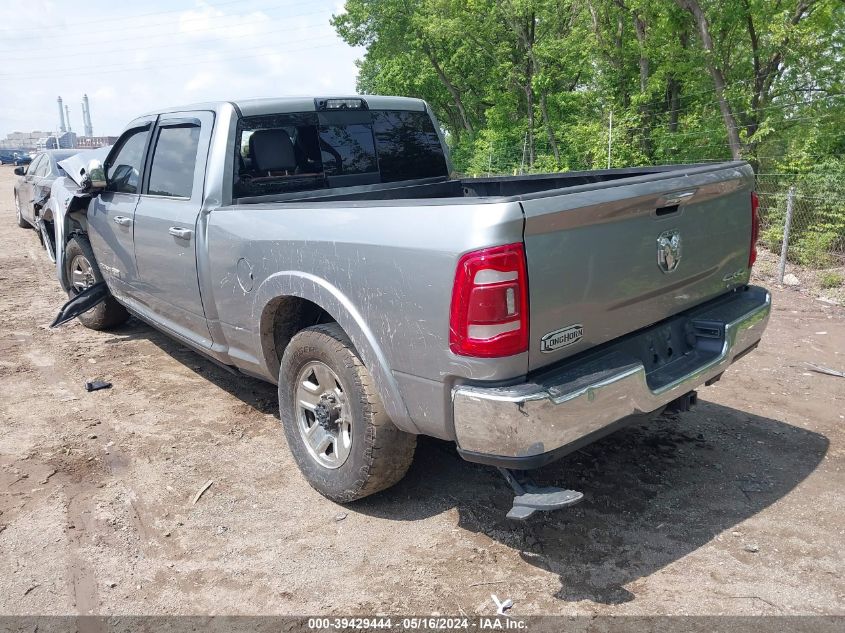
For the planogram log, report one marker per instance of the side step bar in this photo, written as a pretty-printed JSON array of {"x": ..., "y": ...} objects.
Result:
[{"x": 530, "y": 498}]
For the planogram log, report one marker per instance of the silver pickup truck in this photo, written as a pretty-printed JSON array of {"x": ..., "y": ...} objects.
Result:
[{"x": 321, "y": 244}]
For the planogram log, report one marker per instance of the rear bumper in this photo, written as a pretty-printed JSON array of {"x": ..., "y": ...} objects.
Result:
[{"x": 533, "y": 423}]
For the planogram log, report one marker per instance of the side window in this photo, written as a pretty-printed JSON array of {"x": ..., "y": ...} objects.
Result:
[
  {"x": 33, "y": 166},
  {"x": 43, "y": 167},
  {"x": 174, "y": 160},
  {"x": 123, "y": 170}
]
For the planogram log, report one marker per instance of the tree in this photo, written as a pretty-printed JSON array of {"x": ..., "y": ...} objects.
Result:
[{"x": 531, "y": 82}]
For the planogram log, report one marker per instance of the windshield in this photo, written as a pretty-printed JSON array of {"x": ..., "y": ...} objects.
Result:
[{"x": 306, "y": 151}]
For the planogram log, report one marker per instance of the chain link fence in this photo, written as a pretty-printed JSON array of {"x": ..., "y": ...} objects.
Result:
[{"x": 810, "y": 215}]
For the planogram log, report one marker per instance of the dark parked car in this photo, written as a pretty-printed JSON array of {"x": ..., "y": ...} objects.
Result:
[
  {"x": 15, "y": 157},
  {"x": 34, "y": 188}
]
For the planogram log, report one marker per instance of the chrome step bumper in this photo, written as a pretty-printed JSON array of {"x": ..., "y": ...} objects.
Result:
[{"x": 532, "y": 423}]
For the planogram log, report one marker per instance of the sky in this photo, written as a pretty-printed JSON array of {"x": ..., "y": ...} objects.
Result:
[{"x": 133, "y": 57}]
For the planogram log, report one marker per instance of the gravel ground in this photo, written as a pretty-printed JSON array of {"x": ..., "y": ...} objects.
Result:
[{"x": 733, "y": 508}]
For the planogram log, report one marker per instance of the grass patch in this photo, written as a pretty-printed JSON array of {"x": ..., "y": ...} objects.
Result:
[{"x": 831, "y": 279}]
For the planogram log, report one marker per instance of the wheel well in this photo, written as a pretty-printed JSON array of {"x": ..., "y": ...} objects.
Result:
[{"x": 282, "y": 319}]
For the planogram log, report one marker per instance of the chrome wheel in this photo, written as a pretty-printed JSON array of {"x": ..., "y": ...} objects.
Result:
[
  {"x": 323, "y": 415},
  {"x": 81, "y": 274}
]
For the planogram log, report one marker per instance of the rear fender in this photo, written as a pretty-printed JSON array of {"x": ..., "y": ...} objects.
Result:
[{"x": 340, "y": 308}]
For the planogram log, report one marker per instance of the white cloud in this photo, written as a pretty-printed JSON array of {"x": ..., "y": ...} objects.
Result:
[
  {"x": 207, "y": 22},
  {"x": 180, "y": 51},
  {"x": 103, "y": 94},
  {"x": 199, "y": 81}
]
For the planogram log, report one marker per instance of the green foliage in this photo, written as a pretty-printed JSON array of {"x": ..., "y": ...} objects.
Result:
[
  {"x": 814, "y": 249},
  {"x": 824, "y": 188},
  {"x": 831, "y": 279},
  {"x": 539, "y": 78}
]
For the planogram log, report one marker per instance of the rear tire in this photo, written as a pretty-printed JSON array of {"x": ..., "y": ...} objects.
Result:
[
  {"x": 82, "y": 272},
  {"x": 346, "y": 446},
  {"x": 21, "y": 222}
]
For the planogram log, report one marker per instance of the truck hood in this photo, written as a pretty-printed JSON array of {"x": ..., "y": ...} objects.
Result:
[{"x": 76, "y": 165}]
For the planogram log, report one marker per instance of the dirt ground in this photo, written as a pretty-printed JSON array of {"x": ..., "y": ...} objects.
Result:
[{"x": 734, "y": 508}]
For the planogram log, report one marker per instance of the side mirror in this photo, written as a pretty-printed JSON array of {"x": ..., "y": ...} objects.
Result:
[
  {"x": 95, "y": 174},
  {"x": 19, "y": 171}
]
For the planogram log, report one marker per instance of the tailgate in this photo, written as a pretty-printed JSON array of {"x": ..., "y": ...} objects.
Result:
[{"x": 607, "y": 259}]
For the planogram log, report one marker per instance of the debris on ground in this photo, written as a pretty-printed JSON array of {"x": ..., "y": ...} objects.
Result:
[
  {"x": 790, "y": 280},
  {"x": 96, "y": 385},
  {"x": 487, "y": 582},
  {"x": 821, "y": 369},
  {"x": 340, "y": 516},
  {"x": 751, "y": 547},
  {"x": 501, "y": 606},
  {"x": 203, "y": 489}
]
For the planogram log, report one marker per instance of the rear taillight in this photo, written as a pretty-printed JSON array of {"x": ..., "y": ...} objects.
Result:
[
  {"x": 755, "y": 228},
  {"x": 489, "y": 315}
]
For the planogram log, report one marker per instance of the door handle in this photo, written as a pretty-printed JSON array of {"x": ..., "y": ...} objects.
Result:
[
  {"x": 121, "y": 220},
  {"x": 179, "y": 232}
]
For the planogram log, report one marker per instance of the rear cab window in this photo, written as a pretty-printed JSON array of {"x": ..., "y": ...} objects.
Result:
[{"x": 308, "y": 151}]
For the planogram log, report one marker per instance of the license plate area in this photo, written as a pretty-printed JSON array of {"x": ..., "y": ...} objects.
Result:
[
  {"x": 663, "y": 345},
  {"x": 677, "y": 347}
]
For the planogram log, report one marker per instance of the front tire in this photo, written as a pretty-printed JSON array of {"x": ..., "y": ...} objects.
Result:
[
  {"x": 82, "y": 272},
  {"x": 334, "y": 421}
]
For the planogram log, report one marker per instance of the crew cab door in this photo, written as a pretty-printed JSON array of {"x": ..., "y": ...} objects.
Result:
[
  {"x": 111, "y": 214},
  {"x": 45, "y": 174},
  {"x": 26, "y": 189},
  {"x": 166, "y": 224}
]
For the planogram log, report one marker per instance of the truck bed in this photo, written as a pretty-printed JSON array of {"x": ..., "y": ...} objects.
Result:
[
  {"x": 482, "y": 187},
  {"x": 590, "y": 238}
]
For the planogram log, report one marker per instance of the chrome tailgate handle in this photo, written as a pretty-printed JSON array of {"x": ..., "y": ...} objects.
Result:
[
  {"x": 177, "y": 231},
  {"x": 673, "y": 199},
  {"x": 122, "y": 221}
]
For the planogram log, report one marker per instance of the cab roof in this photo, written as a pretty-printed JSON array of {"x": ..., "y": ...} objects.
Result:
[{"x": 282, "y": 105}]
